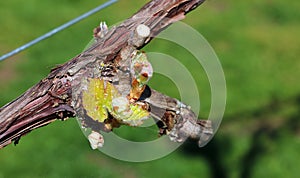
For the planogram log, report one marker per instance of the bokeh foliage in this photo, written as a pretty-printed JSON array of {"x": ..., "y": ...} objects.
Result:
[{"x": 258, "y": 44}]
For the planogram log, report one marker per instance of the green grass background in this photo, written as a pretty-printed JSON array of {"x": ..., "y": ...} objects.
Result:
[{"x": 258, "y": 44}]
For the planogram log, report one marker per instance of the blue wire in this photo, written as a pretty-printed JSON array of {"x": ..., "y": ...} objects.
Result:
[{"x": 52, "y": 32}]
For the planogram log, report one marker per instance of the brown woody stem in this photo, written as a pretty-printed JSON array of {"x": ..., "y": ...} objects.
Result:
[{"x": 51, "y": 98}]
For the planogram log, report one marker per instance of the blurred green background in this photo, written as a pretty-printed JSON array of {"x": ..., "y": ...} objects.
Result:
[{"x": 258, "y": 44}]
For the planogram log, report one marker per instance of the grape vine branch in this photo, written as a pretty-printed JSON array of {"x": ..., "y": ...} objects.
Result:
[{"x": 51, "y": 98}]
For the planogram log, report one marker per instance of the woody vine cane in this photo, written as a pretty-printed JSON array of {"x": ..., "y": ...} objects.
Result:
[{"x": 50, "y": 99}]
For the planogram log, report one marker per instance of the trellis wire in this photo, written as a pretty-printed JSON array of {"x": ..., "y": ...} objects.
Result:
[{"x": 57, "y": 29}]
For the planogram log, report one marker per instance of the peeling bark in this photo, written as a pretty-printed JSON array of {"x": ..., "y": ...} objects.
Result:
[{"x": 51, "y": 98}]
